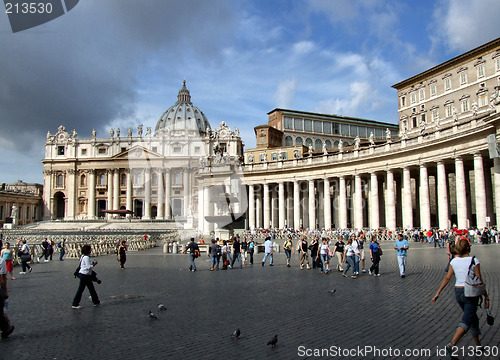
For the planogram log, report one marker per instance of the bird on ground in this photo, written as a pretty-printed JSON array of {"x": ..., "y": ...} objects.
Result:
[
  {"x": 332, "y": 291},
  {"x": 152, "y": 316},
  {"x": 162, "y": 307},
  {"x": 236, "y": 333},
  {"x": 273, "y": 341}
]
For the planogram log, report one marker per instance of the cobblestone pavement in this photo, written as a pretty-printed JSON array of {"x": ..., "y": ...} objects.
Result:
[{"x": 204, "y": 308}]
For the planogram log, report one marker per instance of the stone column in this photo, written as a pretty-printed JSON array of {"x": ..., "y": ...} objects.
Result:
[
  {"x": 187, "y": 191},
  {"x": 407, "y": 201},
  {"x": 497, "y": 189},
  {"x": 129, "y": 192},
  {"x": 312, "y": 206},
  {"x": 208, "y": 209},
  {"x": 70, "y": 212},
  {"x": 267, "y": 207},
  {"x": 281, "y": 205},
  {"x": 258, "y": 207},
  {"x": 480, "y": 189},
  {"x": 461, "y": 195},
  {"x": 110, "y": 193},
  {"x": 47, "y": 185},
  {"x": 251, "y": 207},
  {"x": 147, "y": 194},
  {"x": 327, "y": 204},
  {"x": 442, "y": 196},
  {"x": 425, "y": 205},
  {"x": 91, "y": 201},
  {"x": 161, "y": 196},
  {"x": 201, "y": 210},
  {"x": 358, "y": 203},
  {"x": 342, "y": 203},
  {"x": 390, "y": 204},
  {"x": 116, "y": 189},
  {"x": 374, "y": 202},
  {"x": 168, "y": 192},
  {"x": 296, "y": 204}
]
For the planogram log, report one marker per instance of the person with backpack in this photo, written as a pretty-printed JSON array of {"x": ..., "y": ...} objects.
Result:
[
  {"x": 213, "y": 253},
  {"x": 463, "y": 266},
  {"x": 194, "y": 252},
  {"x": 62, "y": 249}
]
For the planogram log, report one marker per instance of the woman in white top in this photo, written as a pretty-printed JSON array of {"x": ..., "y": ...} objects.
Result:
[
  {"x": 460, "y": 267},
  {"x": 323, "y": 254},
  {"x": 85, "y": 276},
  {"x": 350, "y": 257}
]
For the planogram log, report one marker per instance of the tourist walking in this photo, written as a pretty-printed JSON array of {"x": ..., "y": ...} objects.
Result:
[
  {"x": 357, "y": 251},
  {"x": 52, "y": 244},
  {"x": 122, "y": 254},
  {"x": 45, "y": 251},
  {"x": 361, "y": 244},
  {"x": 401, "y": 246},
  {"x": 268, "y": 251},
  {"x": 25, "y": 258},
  {"x": 464, "y": 266},
  {"x": 314, "y": 253},
  {"x": 5, "y": 325},
  {"x": 224, "y": 251},
  {"x": 194, "y": 252},
  {"x": 338, "y": 250},
  {"x": 324, "y": 256},
  {"x": 85, "y": 276},
  {"x": 304, "y": 258},
  {"x": 8, "y": 254},
  {"x": 62, "y": 249},
  {"x": 236, "y": 252},
  {"x": 288, "y": 246},
  {"x": 244, "y": 249},
  {"x": 214, "y": 260},
  {"x": 349, "y": 258},
  {"x": 375, "y": 257},
  {"x": 251, "y": 249}
]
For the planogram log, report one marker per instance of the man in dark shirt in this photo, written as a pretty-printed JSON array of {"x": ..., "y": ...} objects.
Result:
[
  {"x": 236, "y": 252},
  {"x": 339, "y": 252},
  {"x": 303, "y": 253},
  {"x": 194, "y": 252}
]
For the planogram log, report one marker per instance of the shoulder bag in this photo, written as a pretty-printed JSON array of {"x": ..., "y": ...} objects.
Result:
[{"x": 473, "y": 285}]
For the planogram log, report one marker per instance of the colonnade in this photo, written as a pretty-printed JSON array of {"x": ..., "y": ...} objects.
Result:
[{"x": 441, "y": 193}]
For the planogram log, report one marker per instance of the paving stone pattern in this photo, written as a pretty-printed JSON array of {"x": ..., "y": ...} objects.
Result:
[{"x": 204, "y": 308}]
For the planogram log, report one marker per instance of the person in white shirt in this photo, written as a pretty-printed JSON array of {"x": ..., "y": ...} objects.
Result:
[
  {"x": 459, "y": 266},
  {"x": 268, "y": 249},
  {"x": 85, "y": 276}
]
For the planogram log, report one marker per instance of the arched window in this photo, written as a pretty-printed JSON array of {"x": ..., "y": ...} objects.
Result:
[
  {"x": 60, "y": 180},
  {"x": 288, "y": 141},
  {"x": 309, "y": 142},
  {"x": 298, "y": 141},
  {"x": 318, "y": 144},
  {"x": 335, "y": 144},
  {"x": 82, "y": 180},
  {"x": 328, "y": 144}
]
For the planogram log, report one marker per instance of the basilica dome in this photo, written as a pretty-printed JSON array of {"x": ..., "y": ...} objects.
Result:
[{"x": 183, "y": 115}]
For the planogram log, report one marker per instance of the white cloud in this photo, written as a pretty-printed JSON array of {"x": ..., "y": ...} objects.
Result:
[
  {"x": 285, "y": 93},
  {"x": 465, "y": 24},
  {"x": 303, "y": 47},
  {"x": 352, "y": 104}
]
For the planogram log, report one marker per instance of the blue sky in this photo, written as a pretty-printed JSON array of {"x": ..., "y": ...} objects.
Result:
[{"x": 120, "y": 63}]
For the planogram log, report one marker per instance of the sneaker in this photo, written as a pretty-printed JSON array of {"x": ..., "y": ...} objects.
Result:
[
  {"x": 370, "y": 272},
  {"x": 76, "y": 307},
  {"x": 288, "y": 265},
  {"x": 46, "y": 260},
  {"x": 6, "y": 333},
  {"x": 377, "y": 274},
  {"x": 271, "y": 265},
  {"x": 403, "y": 276},
  {"x": 37, "y": 260},
  {"x": 98, "y": 304},
  {"x": 262, "y": 264},
  {"x": 364, "y": 270},
  {"x": 30, "y": 270},
  {"x": 22, "y": 273},
  {"x": 308, "y": 267}
]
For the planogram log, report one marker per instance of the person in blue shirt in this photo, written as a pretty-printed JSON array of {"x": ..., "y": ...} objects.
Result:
[{"x": 402, "y": 246}]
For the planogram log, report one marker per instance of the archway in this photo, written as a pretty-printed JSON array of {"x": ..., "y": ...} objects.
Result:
[{"x": 59, "y": 205}]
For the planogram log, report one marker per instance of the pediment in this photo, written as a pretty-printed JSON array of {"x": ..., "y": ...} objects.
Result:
[{"x": 138, "y": 152}]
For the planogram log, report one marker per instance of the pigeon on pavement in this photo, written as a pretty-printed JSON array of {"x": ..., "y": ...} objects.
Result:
[
  {"x": 162, "y": 307},
  {"x": 152, "y": 316},
  {"x": 236, "y": 333},
  {"x": 273, "y": 341}
]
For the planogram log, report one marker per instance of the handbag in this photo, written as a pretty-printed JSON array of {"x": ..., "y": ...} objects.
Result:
[
  {"x": 473, "y": 286},
  {"x": 25, "y": 257},
  {"x": 77, "y": 271},
  {"x": 490, "y": 320},
  {"x": 196, "y": 253},
  {"x": 380, "y": 251}
]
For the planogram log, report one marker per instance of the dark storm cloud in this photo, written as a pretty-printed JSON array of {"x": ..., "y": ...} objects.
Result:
[{"x": 81, "y": 70}]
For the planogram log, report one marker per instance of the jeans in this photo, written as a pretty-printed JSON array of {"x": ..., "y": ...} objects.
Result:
[
  {"x": 85, "y": 281},
  {"x": 288, "y": 254},
  {"x": 469, "y": 307},
  {"x": 402, "y": 264},
  {"x": 215, "y": 260},
  {"x": 61, "y": 254},
  {"x": 265, "y": 258},
  {"x": 192, "y": 266},
  {"x": 4, "y": 320},
  {"x": 250, "y": 252},
  {"x": 356, "y": 264},
  {"x": 324, "y": 259},
  {"x": 350, "y": 264},
  {"x": 236, "y": 255}
]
